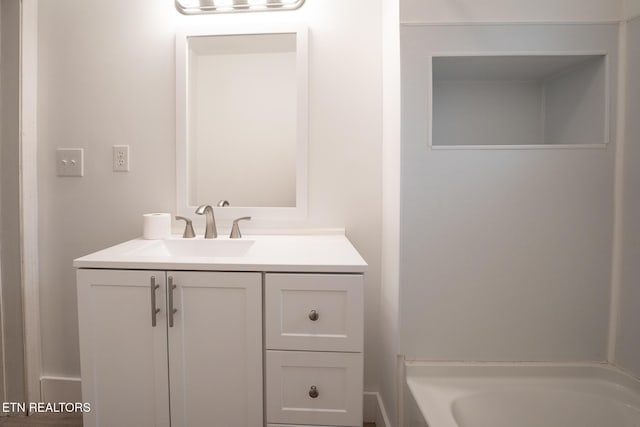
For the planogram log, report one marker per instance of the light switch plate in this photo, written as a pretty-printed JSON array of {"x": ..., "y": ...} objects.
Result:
[{"x": 70, "y": 162}]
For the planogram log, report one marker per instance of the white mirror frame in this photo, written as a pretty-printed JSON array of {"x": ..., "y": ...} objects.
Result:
[{"x": 268, "y": 214}]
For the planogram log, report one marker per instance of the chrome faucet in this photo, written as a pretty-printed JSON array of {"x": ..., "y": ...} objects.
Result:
[{"x": 210, "y": 231}]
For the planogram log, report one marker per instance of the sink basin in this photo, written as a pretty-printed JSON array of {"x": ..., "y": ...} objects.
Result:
[{"x": 206, "y": 248}]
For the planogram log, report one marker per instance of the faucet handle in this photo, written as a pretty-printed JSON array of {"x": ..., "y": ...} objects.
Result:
[
  {"x": 235, "y": 229},
  {"x": 188, "y": 227}
]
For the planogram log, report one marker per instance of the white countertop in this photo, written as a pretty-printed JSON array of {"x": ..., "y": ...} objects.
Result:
[{"x": 286, "y": 253}]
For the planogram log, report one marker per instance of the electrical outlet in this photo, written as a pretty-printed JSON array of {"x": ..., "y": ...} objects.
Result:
[
  {"x": 69, "y": 162},
  {"x": 121, "y": 158}
]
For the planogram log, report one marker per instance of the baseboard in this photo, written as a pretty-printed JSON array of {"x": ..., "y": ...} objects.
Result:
[
  {"x": 60, "y": 389},
  {"x": 374, "y": 410},
  {"x": 68, "y": 389}
]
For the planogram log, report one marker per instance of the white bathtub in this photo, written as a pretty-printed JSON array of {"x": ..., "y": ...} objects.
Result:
[{"x": 520, "y": 395}]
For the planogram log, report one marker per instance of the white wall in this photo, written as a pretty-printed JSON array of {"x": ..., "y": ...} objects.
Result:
[
  {"x": 575, "y": 105},
  {"x": 506, "y": 254},
  {"x": 106, "y": 77},
  {"x": 627, "y": 352},
  {"x": 487, "y": 112},
  {"x": 510, "y": 10},
  {"x": 1, "y": 204},
  {"x": 631, "y": 8},
  {"x": 389, "y": 346},
  {"x": 10, "y": 279}
]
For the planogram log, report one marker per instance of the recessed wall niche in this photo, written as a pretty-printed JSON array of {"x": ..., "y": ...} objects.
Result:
[{"x": 502, "y": 100}]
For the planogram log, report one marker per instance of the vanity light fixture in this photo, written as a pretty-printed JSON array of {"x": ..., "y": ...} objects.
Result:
[{"x": 193, "y": 7}]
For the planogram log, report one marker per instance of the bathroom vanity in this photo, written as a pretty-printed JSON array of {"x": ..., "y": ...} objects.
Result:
[{"x": 266, "y": 330}]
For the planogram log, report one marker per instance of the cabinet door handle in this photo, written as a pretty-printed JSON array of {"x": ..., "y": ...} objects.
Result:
[
  {"x": 313, "y": 315},
  {"x": 172, "y": 310},
  {"x": 313, "y": 392},
  {"x": 154, "y": 309}
]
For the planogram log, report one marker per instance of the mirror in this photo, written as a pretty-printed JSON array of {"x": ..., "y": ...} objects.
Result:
[{"x": 241, "y": 121}]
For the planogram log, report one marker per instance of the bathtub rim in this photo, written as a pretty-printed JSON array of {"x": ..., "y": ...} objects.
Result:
[
  {"x": 599, "y": 370},
  {"x": 419, "y": 371}
]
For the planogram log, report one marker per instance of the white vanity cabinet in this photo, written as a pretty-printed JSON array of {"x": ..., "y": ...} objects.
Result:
[
  {"x": 314, "y": 344},
  {"x": 209, "y": 350},
  {"x": 267, "y": 331}
]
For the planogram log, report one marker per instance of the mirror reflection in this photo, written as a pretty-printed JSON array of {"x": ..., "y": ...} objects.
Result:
[{"x": 242, "y": 119}]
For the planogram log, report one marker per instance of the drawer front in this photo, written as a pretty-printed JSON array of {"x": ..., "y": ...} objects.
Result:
[
  {"x": 314, "y": 312},
  {"x": 310, "y": 388}
]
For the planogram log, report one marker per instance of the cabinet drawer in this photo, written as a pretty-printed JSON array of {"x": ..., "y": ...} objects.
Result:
[
  {"x": 315, "y": 312},
  {"x": 293, "y": 379}
]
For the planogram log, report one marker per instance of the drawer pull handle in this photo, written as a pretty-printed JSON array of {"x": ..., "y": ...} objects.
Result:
[
  {"x": 313, "y": 315},
  {"x": 313, "y": 392}
]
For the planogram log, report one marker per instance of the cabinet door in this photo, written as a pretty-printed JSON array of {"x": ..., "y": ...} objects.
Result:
[
  {"x": 123, "y": 357},
  {"x": 215, "y": 349}
]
